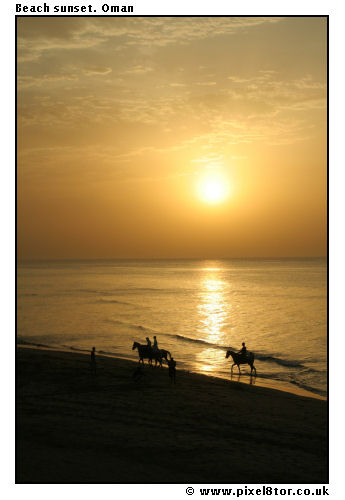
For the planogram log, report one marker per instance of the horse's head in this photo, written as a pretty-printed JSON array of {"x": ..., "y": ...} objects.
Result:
[
  {"x": 135, "y": 344},
  {"x": 229, "y": 353}
]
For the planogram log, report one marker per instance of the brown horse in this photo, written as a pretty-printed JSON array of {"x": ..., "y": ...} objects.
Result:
[{"x": 239, "y": 359}]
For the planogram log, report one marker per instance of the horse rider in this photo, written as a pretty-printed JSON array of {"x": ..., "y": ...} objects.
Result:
[
  {"x": 148, "y": 342},
  {"x": 155, "y": 343},
  {"x": 243, "y": 351}
]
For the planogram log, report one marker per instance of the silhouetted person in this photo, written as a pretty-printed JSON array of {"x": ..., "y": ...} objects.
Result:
[
  {"x": 155, "y": 343},
  {"x": 93, "y": 361},
  {"x": 148, "y": 342},
  {"x": 172, "y": 370},
  {"x": 243, "y": 351}
]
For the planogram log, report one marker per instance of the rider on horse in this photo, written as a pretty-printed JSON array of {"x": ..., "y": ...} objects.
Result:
[
  {"x": 155, "y": 343},
  {"x": 243, "y": 351}
]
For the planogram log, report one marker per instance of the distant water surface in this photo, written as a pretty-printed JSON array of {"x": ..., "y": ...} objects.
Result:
[{"x": 197, "y": 309}]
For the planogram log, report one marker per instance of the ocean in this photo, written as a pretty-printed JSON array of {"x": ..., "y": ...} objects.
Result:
[{"x": 197, "y": 309}]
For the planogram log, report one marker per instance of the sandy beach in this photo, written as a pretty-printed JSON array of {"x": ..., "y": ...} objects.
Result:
[{"x": 75, "y": 427}]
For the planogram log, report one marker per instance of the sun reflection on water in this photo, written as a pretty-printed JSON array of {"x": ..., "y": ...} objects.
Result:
[
  {"x": 213, "y": 308},
  {"x": 209, "y": 360},
  {"x": 214, "y": 311}
]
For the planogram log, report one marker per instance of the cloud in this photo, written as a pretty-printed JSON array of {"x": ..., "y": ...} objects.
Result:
[
  {"x": 267, "y": 86},
  {"x": 176, "y": 84},
  {"x": 110, "y": 74},
  {"x": 39, "y": 35},
  {"x": 97, "y": 70},
  {"x": 206, "y": 84},
  {"x": 25, "y": 81},
  {"x": 139, "y": 69},
  {"x": 211, "y": 160}
]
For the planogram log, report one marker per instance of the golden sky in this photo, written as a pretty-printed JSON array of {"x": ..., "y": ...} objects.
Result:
[{"x": 171, "y": 137}]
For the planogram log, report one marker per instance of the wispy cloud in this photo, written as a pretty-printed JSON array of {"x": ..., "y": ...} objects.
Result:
[
  {"x": 97, "y": 70},
  {"x": 116, "y": 74},
  {"x": 34, "y": 39},
  {"x": 138, "y": 69}
]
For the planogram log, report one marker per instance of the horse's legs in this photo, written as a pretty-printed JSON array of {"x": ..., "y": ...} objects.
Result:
[
  {"x": 232, "y": 366},
  {"x": 239, "y": 369}
]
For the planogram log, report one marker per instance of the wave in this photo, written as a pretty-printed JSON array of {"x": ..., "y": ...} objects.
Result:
[
  {"x": 72, "y": 348},
  {"x": 288, "y": 363},
  {"x": 308, "y": 388},
  {"x": 131, "y": 355},
  {"x": 90, "y": 291},
  {"x": 281, "y": 377},
  {"x": 35, "y": 344},
  {"x": 196, "y": 341},
  {"x": 132, "y": 326},
  {"x": 279, "y": 361},
  {"x": 21, "y": 341},
  {"x": 114, "y": 301},
  {"x": 126, "y": 291}
]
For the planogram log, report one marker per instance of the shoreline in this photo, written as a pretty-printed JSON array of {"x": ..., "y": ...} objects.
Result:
[{"x": 247, "y": 380}]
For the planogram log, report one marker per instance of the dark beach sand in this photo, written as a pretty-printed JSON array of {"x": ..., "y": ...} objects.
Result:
[{"x": 73, "y": 427}]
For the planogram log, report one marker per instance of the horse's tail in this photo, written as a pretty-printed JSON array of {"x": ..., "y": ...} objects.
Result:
[{"x": 168, "y": 352}]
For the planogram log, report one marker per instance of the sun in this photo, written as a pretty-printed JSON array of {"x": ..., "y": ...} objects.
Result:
[{"x": 213, "y": 188}]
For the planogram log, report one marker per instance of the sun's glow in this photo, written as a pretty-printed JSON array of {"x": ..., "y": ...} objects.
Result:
[{"x": 213, "y": 188}]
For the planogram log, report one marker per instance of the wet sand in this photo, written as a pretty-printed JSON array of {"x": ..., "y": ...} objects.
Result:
[{"x": 75, "y": 427}]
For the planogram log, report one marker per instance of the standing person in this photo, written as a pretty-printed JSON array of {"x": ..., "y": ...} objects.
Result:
[
  {"x": 172, "y": 370},
  {"x": 155, "y": 343},
  {"x": 148, "y": 342},
  {"x": 93, "y": 361}
]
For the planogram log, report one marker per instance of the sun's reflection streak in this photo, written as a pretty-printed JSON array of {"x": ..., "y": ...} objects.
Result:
[
  {"x": 213, "y": 307},
  {"x": 208, "y": 360},
  {"x": 214, "y": 311}
]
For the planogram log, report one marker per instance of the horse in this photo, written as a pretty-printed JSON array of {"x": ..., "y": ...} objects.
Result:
[
  {"x": 145, "y": 351},
  {"x": 156, "y": 354},
  {"x": 164, "y": 354},
  {"x": 239, "y": 359},
  {"x": 159, "y": 355}
]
